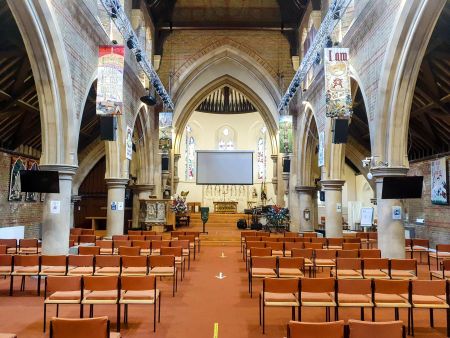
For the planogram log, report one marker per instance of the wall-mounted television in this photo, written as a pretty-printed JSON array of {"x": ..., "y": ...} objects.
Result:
[
  {"x": 39, "y": 181},
  {"x": 402, "y": 187}
]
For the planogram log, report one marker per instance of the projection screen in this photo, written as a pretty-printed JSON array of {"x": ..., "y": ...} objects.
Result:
[{"x": 225, "y": 167}]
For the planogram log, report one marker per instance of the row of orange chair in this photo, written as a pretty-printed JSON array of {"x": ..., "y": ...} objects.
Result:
[
  {"x": 330, "y": 293},
  {"x": 164, "y": 265},
  {"x": 354, "y": 329},
  {"x": 102, "y": 290},
  {"x": 21, "y": 246},
  {"x": 80, "y": 327}
]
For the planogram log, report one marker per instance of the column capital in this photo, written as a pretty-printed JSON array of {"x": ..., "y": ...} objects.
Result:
[
  {"x": 305, "y": 188},
  {"x": 65, "y": 171},
  {"x": 332, "y": 184},
  {"x": 75, "y": 198},
  {"x": 380, "y": 172},
  {"x": 143, "y": 187},
  {"x": 114, "y": 182},
  {"x": 176, "y": 157},
  {"x": 274, "y": 157}
]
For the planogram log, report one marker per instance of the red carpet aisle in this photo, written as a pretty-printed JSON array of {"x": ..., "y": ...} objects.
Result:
[{"x": 201, "y": 301}]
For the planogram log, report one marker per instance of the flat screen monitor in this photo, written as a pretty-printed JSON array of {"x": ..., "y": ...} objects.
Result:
[
  {"x": 402, "y": 187},
  {"x": 39, "y": 181},
  {"x": 224, "y": 167}
]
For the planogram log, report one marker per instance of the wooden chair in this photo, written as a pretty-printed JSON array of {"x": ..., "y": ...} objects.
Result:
[
  {"x": 53, "y": 266},
  {"x": 134, "y": 266},
  {"x": 421, "y": 246},
  {"x": 120, "y": 242},
  {"x": 106, "y": 247},
  {"x": 83, "y": 327},
  {"x": 177, "y": 252},
  {"x": 347, "y": 253},
  {"x": 314, "y": 246},
  {"x": 102, "y": 290},
  {"x": 391, "y": 294},
  {"x": 288, "y": 246},
  {"x": 291, "y": 234},
  {"x": 335, "y": 243},
  {"x": 75, "y": 231},
  {"x": 145, "y": 246},
  {"x": 164, "y": 266},
  {"x": 107, "y": 265},
  {"x": 261, "y": 267},
  {"x": 74, "y": 238},
  {"x": 444, "y": 273},
  {"x": 6, "y": 265},
  {"x": 129, "y": 251},
  {"x": 120, "y": 238},
  {"x": 89, "y": 250},
  {"x": 432, "y": 295},
  {"x": 317, "y": 292},
  {"x": 324, "y": 258},
  {"x": 376, "y": 268},
  {"x": 403, "y": 269},
  {"x": 148, "y": 233},
  {"x": 153, "y": 237},
  {"x": 197, "y": 238},
  {"x": 245, "y": 234},
  {"x": 442, "y": 252},
  {"x": 192, "y": 242},
  {"x": 25, "y": 266},
  {"x": 315, "y": 330},
  {"x": 310, "y": 234},
  {"x": 156, "y": 247},
  {"x": 351, "y": 246},
  {"x": 11, "y": 245},
  {"x": 3, "y": 250},
  {"x": 80, "y": 265},
  {"x": 360, "y": 329},
  {"x": 62, "y": 290},
  {"x": 347, "y": 268},
  {"x": 307, "y": 254},
  {"x": 87, "y": 232},
  {"x": 277, "y": 248},
  {"x": 291, "y": 267},
  {"x": 369, "y": 253},
  {"x": 140, "y": 290},
  {"x": 353, "y": 293},
  {"x": 278, "y": 293},
  {"x": 136, "y": 237},
  {"x": 86, "y": 239},
  {"x": 135, "y": 233},
  {"x": 29, "y": 246}
]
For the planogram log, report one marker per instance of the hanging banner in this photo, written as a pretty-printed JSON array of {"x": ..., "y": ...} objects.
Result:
[
  {"x": 337, "y": 83},
  {"x": 165, "y": 130},
  {"x": 439, "y": 188},
  {"x": 285, "y": 128},
  {"x": 110, "y": 80},
  {"x": 129, "y": 143},
  {"x": 321, "y": 155}
]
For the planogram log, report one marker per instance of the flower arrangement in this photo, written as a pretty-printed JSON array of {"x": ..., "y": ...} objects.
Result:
[
  {"x": 179, "y": 205},
  {"x": 277, "y": 216}
]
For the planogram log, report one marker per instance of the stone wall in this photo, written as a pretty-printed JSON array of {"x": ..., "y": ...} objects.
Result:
[
  {"x": 437, "y": 226},
  {"x": 13, "y": 213}
]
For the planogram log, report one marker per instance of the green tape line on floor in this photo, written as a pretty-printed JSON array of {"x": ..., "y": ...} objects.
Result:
[{"x": 216, "y": 330}]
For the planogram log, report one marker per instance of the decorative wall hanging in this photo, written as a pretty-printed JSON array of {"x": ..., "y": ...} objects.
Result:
[
  {"x": 165, "y": 130},
  {"x": 321, "y": 155},
  {"x": 439, "y": 189},
  {"x": 32, "y": 196},
  {"x": 129, "y": 143},
  {"x": 110, "y": 80},
  {"x": 285, "y": 128},
  {"x": 337, "y": 83},
  {"x": 15, "y": 191}
]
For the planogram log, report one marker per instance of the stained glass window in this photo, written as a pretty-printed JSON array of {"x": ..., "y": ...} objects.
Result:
[
  {"x": 190, "y": 154},
  {"x": 226, "y": 139},
  {"x": 261, "y": 154}
]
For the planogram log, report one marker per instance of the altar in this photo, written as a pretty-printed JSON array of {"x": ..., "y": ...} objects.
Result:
[{"x": 225, "y": 207}]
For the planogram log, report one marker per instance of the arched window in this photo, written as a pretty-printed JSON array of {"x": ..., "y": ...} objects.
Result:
[
  {"x": 226, "y": 139},
  {"x": 190, "y": 154},
  {"x": 261, "y": 154}
]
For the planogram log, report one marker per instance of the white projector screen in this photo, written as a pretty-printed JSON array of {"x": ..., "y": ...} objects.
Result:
[{"x": 225, "y": 167}]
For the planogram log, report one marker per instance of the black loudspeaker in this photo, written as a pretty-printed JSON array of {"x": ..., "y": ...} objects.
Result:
[
  {"x": 108, "y": 128},
  {"x": 241, "y": 224},
  {"x": 287, "y": 165},
  {"x": 322, "y": 196},
  {"x": 340, "y": 130},
  {"x": 164, "y": 163},
  {"x": 256, "y": 226}
]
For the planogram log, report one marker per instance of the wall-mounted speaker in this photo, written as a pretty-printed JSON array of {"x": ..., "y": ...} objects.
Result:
[
  {"x": 322, "y": 196},
  {"x": 108, "y": 128},
  {"x": 164, "y": 163},
  {"x": 286, "y": 165},
  {"x": 340, "y": 130}
]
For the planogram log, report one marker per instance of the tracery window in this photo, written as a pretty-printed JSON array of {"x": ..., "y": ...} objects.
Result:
[
  {"x": 190, "y": 154},
  {"x": 226, "y": 139},
  {"x": 261, "y": 154}
]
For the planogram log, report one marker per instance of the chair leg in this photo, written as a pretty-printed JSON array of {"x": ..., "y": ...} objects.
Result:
[
  {"x": 411, "y": 329},
  {"x": 293, "y": 313},
  {"x": 397, "y": 315},
  {"x": 45, "y": 315},
  {"x": 91, "y": 310},
  {"x": 22, "y": 284},
  {"x": 373, "y": 313},
  {"x": 159, "y": 308},
  {"x": 118, "y": 317},
  {"x": 362, "y": 313},
  {"x": 125, "y": 313},
  {"x": 81, "y": 311},
  {"x": 11, "y": 285},
  {"x": 57, "y": 310},
  {"x": 448, "y": 322},
  {"x": 431, "y": 318},
  {"x": 259, "y": 308},
  {"x": 263, "y": 318},
  {"x": 409, "y": 320},
  {"x": 154, "y": 316},
  {"x": 39, "y": 285}
]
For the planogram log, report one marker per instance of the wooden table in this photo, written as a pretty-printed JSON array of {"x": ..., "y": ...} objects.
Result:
[{"x": 225, "y": 207}]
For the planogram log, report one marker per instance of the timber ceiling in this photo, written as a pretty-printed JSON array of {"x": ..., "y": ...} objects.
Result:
[
  {"x": 19, "y": 107},
  {"x": 90, "y": 122},
  {"x": 226, "y": 100}
]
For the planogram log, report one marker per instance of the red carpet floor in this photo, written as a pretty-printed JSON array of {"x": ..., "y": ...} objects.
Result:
[{"x": 201, "y": 301}]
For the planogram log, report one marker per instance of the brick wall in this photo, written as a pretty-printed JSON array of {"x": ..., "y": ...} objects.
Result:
[
  {"x": 28, "y": 214},
  {"x": 437, "y": 217}
]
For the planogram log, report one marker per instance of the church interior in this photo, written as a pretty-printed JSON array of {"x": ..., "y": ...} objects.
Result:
[{"x": 227, "y": 168}]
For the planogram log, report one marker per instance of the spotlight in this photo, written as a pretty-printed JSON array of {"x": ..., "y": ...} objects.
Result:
[
  {"x": 329, "y": 42},
  {"x": 114, "y": 42},
  {"x": 317, "y": 59},
  {"x": 369, "y": 175},
  {"x": 337, "y": 14},
  {"x": 113, "y": 13},
  {"x": 138, "y": 56},
  {"x": 130, "y": 43},
  {"x": 149, "y": 99}
]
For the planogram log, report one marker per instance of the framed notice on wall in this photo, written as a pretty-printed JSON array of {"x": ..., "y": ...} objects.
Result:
[
  {"x": 366, "y": 217},
  {"x": 439, "y": 189}
]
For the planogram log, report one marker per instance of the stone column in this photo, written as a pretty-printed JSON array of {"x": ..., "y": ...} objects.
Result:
[
  {"x": 333, "y": 207},
  {"x": 176, "y": 176},
  {"x": 115, "y": 218},
  {"x": 140, "y": 191},
  {"x": 306, "y": 197},
  {"x": 275, "y": 176},
  {"x": 391, "y": 232},
  {"x": 56, "y": 214}
]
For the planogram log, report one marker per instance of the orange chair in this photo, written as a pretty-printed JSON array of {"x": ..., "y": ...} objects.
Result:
[
  {"x": 432, "y": 295},
  {"x": 307, "y": 254},
  {"x": 192, "y": 242},
  {"x": 101, "y": 290},
  {"x": 393, "y": 294},
  {"x": 321, "y": 240},
  {"x": 197, "y": 238},
  {"x": 11, "y": 245},
  {"x": 403, "y": 269},
  {"x": 272, "y": 239},
  {"x": 86, "y": 239},
  {"x": 444, "y": 273},
  {"x": 23, "y": 266},
  {"x": 351, "y": 246},
  {"x": 353, "y": 293},
  {"x": 176, "y": 234},
  {"x": 370, "y": 253},
  {"x": 245, "y": 234},
  {"x": 89, "y": 250},
  {"x": 317, "y": 292},
  {"x": 314, "y": 246},
  {"x": 376, "y": 268},
  {"x": 148, "y": 233},
  {"x": 85, "y": 327},
  {"x": 310, "y": 234},
  {"x": 135, "y": 232},
  {"x": 129, "y": 251},
  {"x": 156, "y": 247},
  {"x": 90, "y": 232},
  {"x": 134, "y": 266},
  {"x": 140, "y": 290},
  {"x": 29, "y": 246},
  {"x": 360, "y": 329},
  {"x": 106, "y": 247},
  {"x": 261, "y": 267},
  {"x": 6, "y": 265},
  {"x": 80, "y": 265},
  {"x": 120, "y": 238},
  {"x": 315, "y": 330},
  {"x": 75, "y": 231},
  {"x": 421, "y": 246},
  {"x": 153, "y": 237},
  {"x": 335, "y": 243},
  {"x": 145, "y": 246},
  {"x": 277, "y": 248},
  {"x": 348, "y": 268},
  {"x": 291, "y": 267},
  {"x": 164, "y": 266},
  {"x": 347, "y": 253},
  {"x": 62, "y": 290},
  {"x": 107, "y": 265},
  {"x": 364, "y": 237},
  {"x": 288, "y": 246},
  {"x": 324, "y": 258},
  {"x": 352, "y": 240},
  {"x": 136, "y": 237},
  {"x": 185, "y": 249},
  {"x": 53, "y": 265},
  {"x": 248, "y": 246},
  {"x": 118, "y": 243},
  {"x": 372, "y": 240},
  {"x": 442, "y": 252},
  {"x": 291, "y": 234},
  {"x": 179, "y": 259},
  {"x": 278, "y": 293}
]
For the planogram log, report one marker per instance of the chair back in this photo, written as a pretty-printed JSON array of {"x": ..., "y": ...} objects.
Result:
[
  {"x": 376, "y": 263},
  {"x": 134, "y": 232},
  {"x": 291, "y": 262},
  {"x": 291, "y": 234},
  {"x": 351, "y": 246},
  {"x": 107, "y": 260},
  {"x": 104, "y": 244},
  {"x": 338, "y": 241},
  {"x": 310, "y": 234},
  {"x": 3, "y": 250},
  {"x": 391, "y": 286},
  {"x": 325, "y": 253},
  {"x": 321, "y": 240},
  {"x": 305, "y": 253},
  {"x": 370, "y": 253},
  {"x": 142, "y": 244},
  {"x": 63, "y": 283},
  {"x": 442, "y": 248},
  {"x": 281, "y": 285},
  {"x": 53, "y": 260},
  {"x": 86, "y": 239},
  {"x": 428, "y": 287},
  {"x": 84, "y": 327},
  {"x": 153, "y": 237},
  {"x": 26, "y": 260},
  {"x": 254, "y": 244},
  {"x": 100, "y": 283},
  {"x": 317, "y": 284},
  {"x": 354, "y": 286},
  {"x": 148, "y": 233},
  {"x": 136, "y": 237},
  {"x": 6, "y": 260},
  {"x": 352, "y": 240},
  {"x": 360, "y": 329},
  {"x": 263, "y": 262},
  {"x": 87, "y": 232},
  {"x": 279, "y": 246},
  {"x": 89, "y": 250},
  {"x": 176, "y": 234},
  {"x": 80, "y": 260},
  {"x": 134, "y": 261},
  {"x": 348, "y": 264},
  {"x": 313, "y": 245},
  {"x": 28, "y": 243},
  {"x": 138, "y": 283},
  {"x": 421, "y": 242},
  {"x": 175, "y": 251},
  {"x": 272, "y": 239},
  {"x": 120, "y": 237},
  {"x": 162, "y": 261},
  {"x": 10, "y": 243},
  {"x": 404, "y": 264},
  {"x": 315, "y": 330},
  {"x": 75, "y": 231},
  {"x": 129, "y": 250},
  {"x": 293, "y": 245},
  {"x": 260, "y": 252},
  {"x": 348, "y": 253}
]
